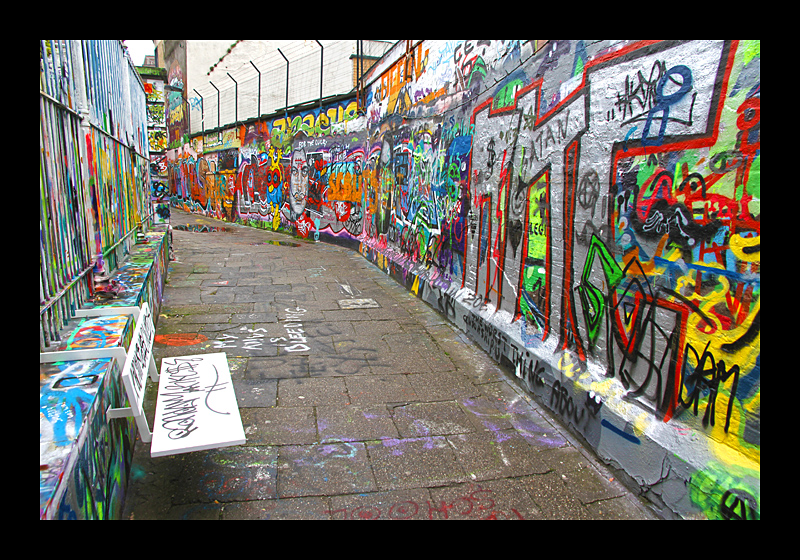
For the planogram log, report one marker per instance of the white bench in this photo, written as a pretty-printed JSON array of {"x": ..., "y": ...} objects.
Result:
[{"x": 196, "y": 407}]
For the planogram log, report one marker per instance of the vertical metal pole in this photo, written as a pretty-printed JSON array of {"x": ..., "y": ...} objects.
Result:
[
  {"x": 286, "y": 106},
  {"x": 237, "y": 96},
  {"x": 259, "y": 88},
  {"x": 202, "y": 113},
  {"x": 409, "y": 52},
  {"x": 355, "y": 70},
  {"x": 359, "y": 72},
  {"x": 216, "y": 88},
  {"x": 321, "y": 61}
]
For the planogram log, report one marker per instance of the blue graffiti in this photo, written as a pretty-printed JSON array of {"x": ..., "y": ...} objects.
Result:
[
  {"x": 663, "y": 102},
  {"x": 64, "y": 402}
]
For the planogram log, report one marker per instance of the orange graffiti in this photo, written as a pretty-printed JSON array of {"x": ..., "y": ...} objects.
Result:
[{"x": 180, "y": 339}]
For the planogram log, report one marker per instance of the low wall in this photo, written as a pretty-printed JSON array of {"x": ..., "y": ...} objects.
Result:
[
  {"x": 85, "y": 460},
  {"x": 589, "y": 212}
]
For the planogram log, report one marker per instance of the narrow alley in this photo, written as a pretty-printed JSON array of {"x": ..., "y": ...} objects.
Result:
[
  {"x": 387, "y": 279},
  {"x": 377, "y": 408}
]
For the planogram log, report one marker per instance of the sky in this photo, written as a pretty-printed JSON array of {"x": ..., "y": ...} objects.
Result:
[{"x": 139, "y": 49}]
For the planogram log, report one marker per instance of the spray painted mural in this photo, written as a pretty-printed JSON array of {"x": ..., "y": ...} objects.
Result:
[
  {"x": 589, "y": 212},
  {"x": 301, "y": 173}
]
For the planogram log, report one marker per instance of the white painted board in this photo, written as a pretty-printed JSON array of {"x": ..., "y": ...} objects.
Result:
[
  {"x": 196, "y": 407},
  {"x": 134, "y": 371}
]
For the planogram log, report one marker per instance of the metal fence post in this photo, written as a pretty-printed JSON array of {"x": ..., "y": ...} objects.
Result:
[
  {"x": 236, "y": 110},
  {"x": 202, "y": 112},
  {"x": 259, "y": 88},
  {"x": 321, "y": 60},
  {"x": 216, "y": 88},
  {"x": 286, "y": 106}
]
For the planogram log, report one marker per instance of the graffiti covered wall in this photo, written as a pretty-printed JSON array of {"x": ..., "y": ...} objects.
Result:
[
  {"x": 589, "y": 212},
  {"x": 302, "y": 173}
]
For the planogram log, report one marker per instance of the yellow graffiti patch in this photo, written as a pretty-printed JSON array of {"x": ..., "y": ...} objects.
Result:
[
  {"x": 707, "y": 328},
  {"x": 415, "y": 287},
  {"x": 747, "y": 249}
]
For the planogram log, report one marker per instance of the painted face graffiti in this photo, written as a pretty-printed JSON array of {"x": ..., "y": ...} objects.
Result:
[{"x": 298, "y": 182}]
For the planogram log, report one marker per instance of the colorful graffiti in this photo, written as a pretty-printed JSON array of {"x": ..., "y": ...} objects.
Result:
[
  {"x": 599, "y": 201},
  {"x": 118, "y": 184},
  {"x": 84, "y": 460},
  {"x": 93, "y": 178},
  {"x": 276, "y": 176},
  {"x": 94, "y": 188}
]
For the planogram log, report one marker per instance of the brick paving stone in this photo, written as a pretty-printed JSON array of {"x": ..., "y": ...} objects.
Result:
[
  {"x": 313, "y": 391},
  {"x": 355, "y": 423},
  {"x": 414, "y": 463},
  {"x": 279, "y": 426},
  {"x": 324, "y": 469}
]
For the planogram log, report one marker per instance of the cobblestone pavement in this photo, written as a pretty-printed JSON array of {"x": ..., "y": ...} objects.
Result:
[{"x": 358, "y": 400}]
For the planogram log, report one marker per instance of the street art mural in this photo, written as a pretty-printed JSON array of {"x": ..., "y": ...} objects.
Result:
[
  {"x": 84, "y": 460},
  {"x": 302, "y": 174},
  {"x": 118, "y": 189},
  {"x": 589, "y": 212},
  {"x": 94, "y": 185}
]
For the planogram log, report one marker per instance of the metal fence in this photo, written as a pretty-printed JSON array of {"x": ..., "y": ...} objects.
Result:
[
  {"x": 299, "y": 72},
  {"x": 93, "y": 171}
]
